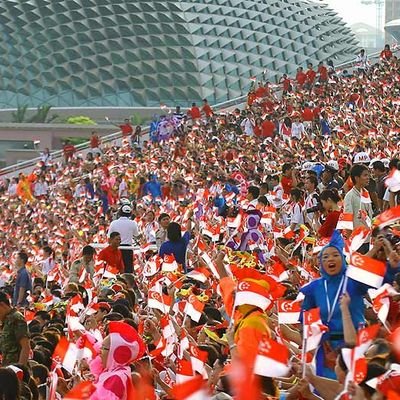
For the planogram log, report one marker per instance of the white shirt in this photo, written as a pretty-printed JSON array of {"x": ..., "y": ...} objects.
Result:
[
  {"x": 296, "y": 216},
  {"x": 297, "y": 129},
  {"x": 123, "y": 189},
  {"x": 41, "y": 189},
  {"x": 247, "y": 126},
  {"x": 12, "y": 189},
  {"x": 126, "y": 228},
  {"x": 47, "y": 265},
  {"x": 310, "y": 201}
]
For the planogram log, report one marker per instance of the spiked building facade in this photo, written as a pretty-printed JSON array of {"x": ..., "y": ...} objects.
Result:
[{"x": 147, "y": 52}]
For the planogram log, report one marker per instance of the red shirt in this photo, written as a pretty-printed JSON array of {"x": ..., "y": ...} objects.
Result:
[
  {"x": 287, "y": 184},
  {"x": 207, "y": 110},
  {"x": 94, "y": 142},
  {"x": 112, "y": 257},
  {"x": 386, "y": 54},
  {"x": 268, "y": 128},
  {"x": 195, "y": 112},
  {"x": 261, "y": 91},
  {"x": 327, "y": 228},
  {"x": 126, "y": 129},
  {"x": 301, "y": 78},
  {"x": 69, "y": 149},
  {"x": 311, "y": 74},
  {"x": 323, "y": 73},
  {"x": 286, "y": 84},
  {"x": 307, "y": 114},
  {"x": 257, "y": 130}
]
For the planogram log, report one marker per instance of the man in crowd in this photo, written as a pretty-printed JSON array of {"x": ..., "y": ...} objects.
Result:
[{"x": 111, "y": 254}]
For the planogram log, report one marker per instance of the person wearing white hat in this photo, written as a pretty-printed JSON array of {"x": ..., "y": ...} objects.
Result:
[{"x": 128, "y": 230}]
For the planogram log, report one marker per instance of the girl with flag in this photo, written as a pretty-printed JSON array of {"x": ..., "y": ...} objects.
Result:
[{"x": 325, "y": 293}]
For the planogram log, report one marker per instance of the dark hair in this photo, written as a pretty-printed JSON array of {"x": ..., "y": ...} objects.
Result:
[
  {"x": 379, "y": 166},
  {"x": 394, "y": 163},
  {"x": 23, "y": 256},
  {"x": 356, "y": 171},
  {"x": 4, "y": 298},
  {"x": 286, "y": 167},
  {"x": 254, "y": 191},
  {"x": 89, "y": 250},
  {"x": 48, "y": 249},
  {"x": 9, "y": 384},
  {"x": 114, "y": 234},
  {"x": 297, "y": 193},
  {"x": 44, "y": 315},
  {"x": 162, "y": 216},
  {"x": 174, "y": 232},
  {"x": 332, "y": 194},
  {"x": 313, "y": 179}
]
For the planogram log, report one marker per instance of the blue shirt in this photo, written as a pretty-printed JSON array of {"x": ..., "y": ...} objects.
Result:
[
  {"x": 178, "y": 249},
  {"x": 153, "y": 188},
  {"x": 23, "y": 281}
]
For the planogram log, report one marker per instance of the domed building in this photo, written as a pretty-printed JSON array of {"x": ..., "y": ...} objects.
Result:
[{"x": 146, "y": 52}]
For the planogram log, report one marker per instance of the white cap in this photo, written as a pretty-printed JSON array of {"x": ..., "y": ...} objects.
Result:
[
  {"x": 361, "y": 158},
  {"x": 333, "y": 164},
  {"x": 126, "y": 209},
  {"x": 124, "y": 201}
]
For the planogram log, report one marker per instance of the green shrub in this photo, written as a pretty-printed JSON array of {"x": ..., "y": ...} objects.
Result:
[{"x": 80, "y": 120}]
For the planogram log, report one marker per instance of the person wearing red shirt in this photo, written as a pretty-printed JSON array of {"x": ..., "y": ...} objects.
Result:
[
  {"x": 301, "y": 77},
  {"x": 386, "y": 53},
  {"x": 286, "y": 86},
  {"x": 288, "y": 180},
  {"x": 268, "y": 128},
  {"x": 323, "y": 72},
  {"x": 307, "y": 114},
  {"x": 111, "y": 254},
  {"x": 126, "y": 128},
  {"x": 258, "y": 127},
  {"x": 329, "y": 199},
  {"x": 194, "y": 112},
  {"x": 69, "y": 150},
  {"x": 311, "y": 74},
  {"x": 261, "y": 91},
  {"x": 206, "y": 109}
]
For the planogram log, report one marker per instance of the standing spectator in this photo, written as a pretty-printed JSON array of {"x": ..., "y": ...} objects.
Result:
[
  {"x": 329, "y": 200},
  {"x": 285, "y": 128},
  {"x": 95, "y": 143},
  {"x": 298, "y": 129},
  {"x": 380, "y": 174},
  {"x": 312, "y": 199},
  {"x": 206, "y": 109},
  {"x": 136, "y": 136},
  {"x": 362, "y": 62},
  {"x": 41, "y": 188},
  {"x": 301, "y": 78},
  {"x": 247, "y": 124},
  {"x": 386, "y": 53},
  {"x": 161, "y": 234},
  {"x": 127, "y": 229},
  {"x": 176, "y": 243},
  {"x": 295, "y": 215},
  {"x": 111, "y": 254},
  {"x": 194, "y": 112},
  {"x": 311, "y": 75},
  {"x": 23, "y": 282},
  {"x": 85, "y": 262},
  {"x": 126, "y": 128},
  {"x": 152, "y": 187},
  {"x": 286, "y": 84},
  {"x": 357, "y": 200},
  {"x": 14, "y": 340},
  {"x": 69, "y": 150},
  {"x": 323, "y": 73},
  {"x": 268, "y": 127},
  {"x": 45, "y": 157},
  {"x": 289, "y": 180},
  {"x": 153, "y": 132}
]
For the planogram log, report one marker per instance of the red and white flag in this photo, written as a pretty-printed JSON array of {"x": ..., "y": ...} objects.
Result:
[
  {"x": 272, "y": 359},
  {"x": 66, "y": 354},
  {"x": 345, "y": 221},
  {"x": 159, "y": 301},
  {"x": 393, "y": 180},
  {"x": 365, "y": 198},
  {"x": 82, "y": 391},
  {"x": 366, "y": 270},
  {"x": 192, "y": 389},
  {"x": 252, "y": 294},
  {"x": 184, "y": 371},
  {"x": 381, "y": 300},
  {"x": 388, "y": 217},
  {"x": 277, "y": 271},
  {"x": 169, "y": 263},
  {"x": 358, "y": 237},
  {"x": 198, "y": 358},
  {"x": 288, "y": 311},
  {"x": 194, "y": 308},
  {"x": 313, "y": 328},
  {"x": 200, "y": 274}
]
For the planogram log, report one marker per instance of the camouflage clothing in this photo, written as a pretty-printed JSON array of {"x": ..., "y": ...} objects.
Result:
[{"x": 13, "y": 330}]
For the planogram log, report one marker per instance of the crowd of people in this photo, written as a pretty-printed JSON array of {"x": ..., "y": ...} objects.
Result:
[{"x": 246, "y": 254}]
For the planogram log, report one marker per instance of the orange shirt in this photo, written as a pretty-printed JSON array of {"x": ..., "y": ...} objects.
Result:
[
  {"x": 207, "y": 110},
  {"x": 195, "y": 112}
]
